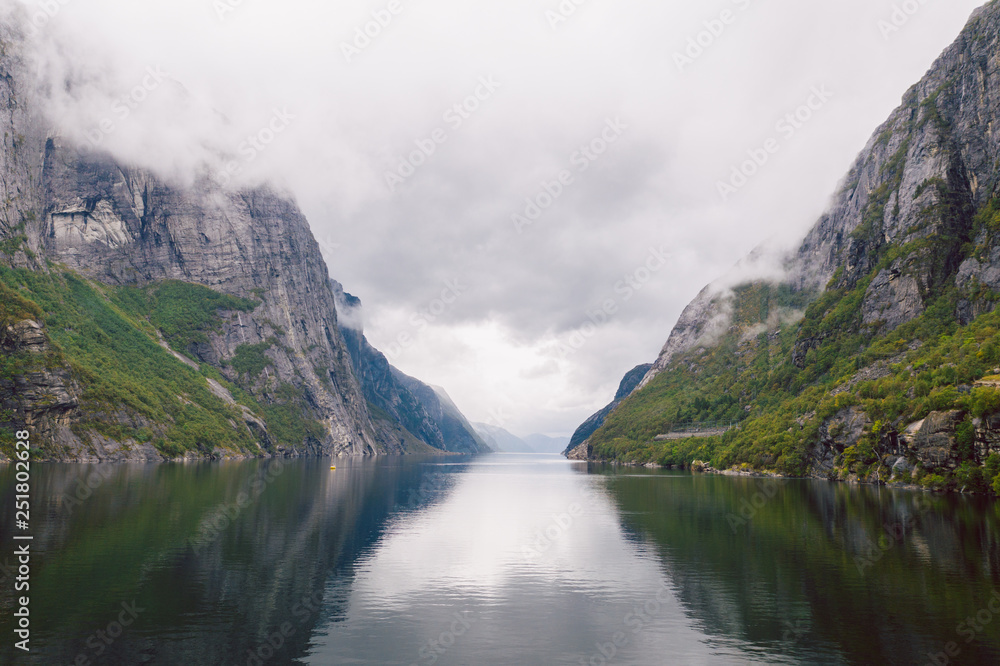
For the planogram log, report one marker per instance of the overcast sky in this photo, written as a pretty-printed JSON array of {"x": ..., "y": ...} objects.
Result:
[{"x": 458, "y": 292}]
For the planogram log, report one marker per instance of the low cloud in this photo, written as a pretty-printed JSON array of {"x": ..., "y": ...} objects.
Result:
[{"x": 350, "y": 312}]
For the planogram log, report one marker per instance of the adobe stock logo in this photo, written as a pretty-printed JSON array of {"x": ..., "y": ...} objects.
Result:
[
  {"x": 900, "y": 16},
  {"x": 787, "y": 127},
  {"x": 254, "y": 145},
  {"x": 564, "y": 12},
  {"x": 420, "y": 321},
  {"x": 44, "y": 11},
  {"x": 626, "y": 289},
  {"x": 224, "y": 7},
  {"x": 713, "y": 30},
  {"x": 123, "y": 107},
  {"x": 551, "y": 190},
  {"x": 455, "y": 116},
  {"x": 366, "y": 34}
]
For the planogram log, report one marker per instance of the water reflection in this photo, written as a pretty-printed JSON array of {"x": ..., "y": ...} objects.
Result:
[
  {"x": 821, "y": 572},
  {"x": 496, "y": 560},
  {"x": 208, "y": 595},
  {"x": 533, "y": 556}
]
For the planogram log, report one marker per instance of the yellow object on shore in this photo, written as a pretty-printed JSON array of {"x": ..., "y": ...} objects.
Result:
[{"x": 333, "y": 467}]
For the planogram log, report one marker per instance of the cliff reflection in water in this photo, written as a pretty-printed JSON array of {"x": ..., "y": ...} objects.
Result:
[
  {"x": 213, "y": 579},
  {"x": 824, "y": 572},
  {"x": 497, "y": 560}
]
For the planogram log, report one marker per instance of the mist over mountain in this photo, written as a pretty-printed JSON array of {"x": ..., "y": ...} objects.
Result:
[
  {"x": 145, "y": 317},
  {"x": 546, "y": 444},
  {"x": 873, "y": 357},
  {"x": 501, "y": 440},
  {"x": 525, "y": 298}
]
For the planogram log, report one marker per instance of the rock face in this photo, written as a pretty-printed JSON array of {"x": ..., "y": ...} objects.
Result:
[
  {"x": 20, "y": 153},
  {"x": 459, "y": 435},
  {"x": 934, "y": 441},
  {"x": 425, "y": 417},
  {"x": 124, "y": 226},
  {"x": 914, "y": 232},
  {"x": 701, "y": 321},
  {"x": 910, "y": 196},
  {"x": 837, "y": 434},
  {"x": 630, "y": 382},
  {"x": 581, "y": 453},
  {"x": 891, "y": 300},
  {"x": 47, "y": 400},
  {"x": 120, "y": 225}
]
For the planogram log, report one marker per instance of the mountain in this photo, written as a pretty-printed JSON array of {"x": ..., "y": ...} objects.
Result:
[
  {"x": 545, "y": 444},
  {"x": 426, "y": 415},
  {"x": 458, "y": 433},
  {"x": 877, "y": 356},
  {"x": 506, "y": 442},
  {"x": 143, "y": 319},
  {"x": 502, "y": 440},
  {"x": 590, "y": 426}
]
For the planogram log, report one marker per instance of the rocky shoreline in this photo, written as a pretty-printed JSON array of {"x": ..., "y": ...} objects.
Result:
[
  {"x": 148, "y": 455},
  {"x": 699, "y": 467}
]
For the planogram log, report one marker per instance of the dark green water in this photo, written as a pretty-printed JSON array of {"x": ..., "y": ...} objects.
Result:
[{"x": 495, "y": 560}]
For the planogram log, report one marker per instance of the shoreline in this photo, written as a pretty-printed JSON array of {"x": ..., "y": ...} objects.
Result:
[
  {"x": 852, "y": 480},
  {"x": 232, "y": 458}
]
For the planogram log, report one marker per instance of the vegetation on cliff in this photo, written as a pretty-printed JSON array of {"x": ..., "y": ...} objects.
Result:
[
  {"x": 131, "y": 388},
  {"x": 785, "y": 382}
]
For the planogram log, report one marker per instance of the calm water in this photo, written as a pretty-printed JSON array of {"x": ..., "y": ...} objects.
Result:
[{"x": 495, "y": 560}]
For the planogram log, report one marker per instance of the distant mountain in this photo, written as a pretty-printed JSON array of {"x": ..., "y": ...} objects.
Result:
[
  {"x": 502, "y": 440},
  {"x": 425, "y": 413},
  {"x": 506, "y": 442},
  {"x": 546, "y": 444}
]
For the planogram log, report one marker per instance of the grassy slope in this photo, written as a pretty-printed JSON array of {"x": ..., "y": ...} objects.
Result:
[
  {"x": 933, "y": 362},
  {"x": 108, "y": 337}
]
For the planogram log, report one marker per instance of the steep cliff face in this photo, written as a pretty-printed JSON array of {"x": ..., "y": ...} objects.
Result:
[
  {"x": 905, "y": 258},
  {"x": 101, "y": 254},
  {"x": 396, "y": 395},
  {"x": 907, "y": 206},
  {"x": 48, "y": 397},
  {"x": 124, "y": 226},
  {"x": 458, "y": 434},
  {"x": 20, "y": 155}
]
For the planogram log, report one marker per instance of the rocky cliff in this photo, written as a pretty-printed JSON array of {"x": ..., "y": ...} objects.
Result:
[
  {"x": 906, "y": 257},
  {"x": 408, "y": 401},
  {"x": 221, "y": 297},
  {"x": 458, "y": 434},
  {"x": 907, "y": 204}
]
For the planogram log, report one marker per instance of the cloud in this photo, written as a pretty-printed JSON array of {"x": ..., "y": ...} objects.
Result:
[
  {"x": 350, "y": 311},
  {"x": 352, "y": 120}
]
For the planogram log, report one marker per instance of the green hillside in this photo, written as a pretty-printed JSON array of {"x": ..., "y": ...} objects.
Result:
[
  {"x": 784, "y": 409},
  {"x": 132, "y": 389}
]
